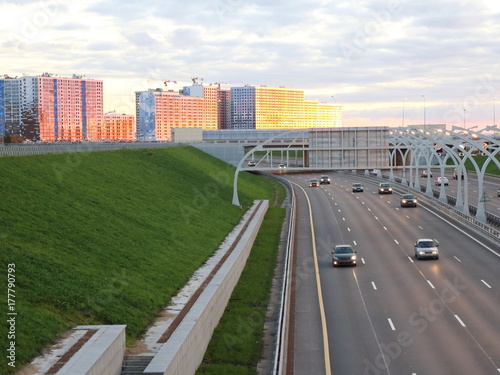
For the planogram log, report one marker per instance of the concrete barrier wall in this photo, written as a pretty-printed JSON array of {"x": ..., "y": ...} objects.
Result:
[
  {"x": 102, "y": 354},
  {"x": 184, "y": 351}
]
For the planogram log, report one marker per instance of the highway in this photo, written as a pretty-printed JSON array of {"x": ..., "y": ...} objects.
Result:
[{"x": 391, "y": 314}]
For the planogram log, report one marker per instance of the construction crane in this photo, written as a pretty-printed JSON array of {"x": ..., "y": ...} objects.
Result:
[
  {"x": 220, "y": 83},
  {"x": 166, "y": 82},
  {"x": 195, "y": 80}
]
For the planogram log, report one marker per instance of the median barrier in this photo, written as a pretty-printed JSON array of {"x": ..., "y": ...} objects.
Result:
[{"x": 184, "y": 351}]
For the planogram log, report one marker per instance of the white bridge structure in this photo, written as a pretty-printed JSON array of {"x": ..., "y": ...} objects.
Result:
[{"x": 406, "y": 150}]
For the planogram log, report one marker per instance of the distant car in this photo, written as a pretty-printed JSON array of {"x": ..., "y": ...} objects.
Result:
[
  {"x": 426, "y": 248},
  {"x": 324, "y": 180},
  {"x": 441, "y": 181},
  {"x": 281, "y": 166},
  {"x": 426, "y": 173},
  {"x": 384, "y": 188},
  {"x": 357, "y": 188},
  {"x": 251, "y": 163},
  {"x": 313, "y": 183},
  {"x": 376, "y": 172},
  {"x": 408, "y": 200},
  {"x": 343, "y": 255}
]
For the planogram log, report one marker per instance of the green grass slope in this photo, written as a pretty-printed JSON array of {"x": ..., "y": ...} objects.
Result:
[{"x": 108, "y": 237}]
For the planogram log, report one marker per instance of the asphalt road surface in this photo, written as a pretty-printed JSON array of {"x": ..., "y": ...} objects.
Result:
[{"x": 391, "y": 314}]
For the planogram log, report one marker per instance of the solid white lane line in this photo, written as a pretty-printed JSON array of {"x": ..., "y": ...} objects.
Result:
[
  {"x": 395, "y": 240},
  {"x": 432, "y": 286},
  {"x": 391, "y": 324},
  {"x": 485, "y": 283},
  {"x": 411, "y": 259},
  {"x": 460, "y": 321}
]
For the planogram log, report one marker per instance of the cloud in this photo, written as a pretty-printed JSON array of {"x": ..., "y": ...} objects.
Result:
[{"x": 369, "y": 54}]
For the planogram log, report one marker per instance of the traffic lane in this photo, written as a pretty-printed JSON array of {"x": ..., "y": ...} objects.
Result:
[
  {"x": 481, "y": 292},
  {"x": 439, "y": 358},
  {"x": 308, "y": 353},
  {"x": 490, "y": 187},
  {"x": 383, "y": 308},
  {"x": 347, "y": 325}
]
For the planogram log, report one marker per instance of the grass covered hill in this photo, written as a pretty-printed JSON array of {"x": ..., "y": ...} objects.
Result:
[{"x": 108, "y": 237}]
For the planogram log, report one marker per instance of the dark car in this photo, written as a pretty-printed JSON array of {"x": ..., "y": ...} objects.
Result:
[
  {"x": 324, "y": 180},
  {"x": 426, "y": 248},
  {"x": 343, "y": 255},
  {"x": 426, "y": 173},
  {"x": 384, "y": 188},
  {"x": 313, "y": 183},
  {"x": 357, "y": 188},
  {"x": 408, "y": 200}
]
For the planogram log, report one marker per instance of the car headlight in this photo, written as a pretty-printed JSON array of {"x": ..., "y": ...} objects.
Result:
[
  {"x": 421, "y": 252},
  {"x": 353, "y": 257},
  {"x": 404, "y": 200}
]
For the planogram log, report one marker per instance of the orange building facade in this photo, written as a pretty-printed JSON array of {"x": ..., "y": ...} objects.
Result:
[
  {"x": 118, "y": 127},
  {"x": 61, "y": 109}
]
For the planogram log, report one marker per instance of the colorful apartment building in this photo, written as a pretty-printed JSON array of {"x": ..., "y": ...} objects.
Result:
[
  {"x": 160, "y": 111},
  {"x": 224, "y": 108},
  {"x": 50, "y": 108},
  {"x": 118, "y": 127},
  {"x": 279, "y": 108}
]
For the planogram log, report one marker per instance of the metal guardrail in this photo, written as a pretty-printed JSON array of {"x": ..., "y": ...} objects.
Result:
[
  {"x": 280, "y": 352},
  {"x": 34, "y": 149}
]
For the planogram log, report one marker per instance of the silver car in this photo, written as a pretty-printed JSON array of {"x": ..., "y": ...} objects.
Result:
[{"x": 426, "y": 248}]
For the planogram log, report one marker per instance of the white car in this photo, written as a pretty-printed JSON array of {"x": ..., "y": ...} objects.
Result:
[
  {"x": 441, "y": 181},
  {"x": 426, "y": 248},
  {"x": 281, "y": 166}
]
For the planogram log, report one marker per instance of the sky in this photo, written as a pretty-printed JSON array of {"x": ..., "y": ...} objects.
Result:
[{"x": 388, "y": 63}]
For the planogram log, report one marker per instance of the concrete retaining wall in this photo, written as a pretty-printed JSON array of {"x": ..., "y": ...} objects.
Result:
[
  {"x": 184, "y": 351},
  {"x": 102, "y": 354}
]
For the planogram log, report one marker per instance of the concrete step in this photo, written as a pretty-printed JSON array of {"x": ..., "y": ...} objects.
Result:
[{"x": 135, "y": 364}]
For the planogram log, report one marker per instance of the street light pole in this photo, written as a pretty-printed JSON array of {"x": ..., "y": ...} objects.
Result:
[
  {"x": 464, "y": 119},
  {"x": 404, "y": 102},
  {"x": 424, "y": 111},
  {"x": 494, "y": 105}
]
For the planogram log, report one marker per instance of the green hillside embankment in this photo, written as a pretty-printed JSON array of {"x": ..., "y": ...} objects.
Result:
[{"x": 107, "y": 237}]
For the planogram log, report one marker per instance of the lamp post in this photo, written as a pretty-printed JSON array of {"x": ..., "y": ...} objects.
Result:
[
  {"x": 404, "y": 102},
  {"x": 494, "y": 105},
  {"x": 464, "y": 119},
  {"x": 424, "y": 111}
]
